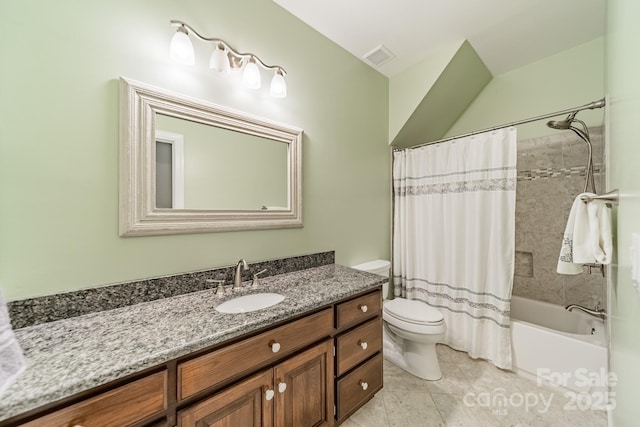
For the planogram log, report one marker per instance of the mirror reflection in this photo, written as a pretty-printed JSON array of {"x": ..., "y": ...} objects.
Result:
[{"x": 205, "y": 167}]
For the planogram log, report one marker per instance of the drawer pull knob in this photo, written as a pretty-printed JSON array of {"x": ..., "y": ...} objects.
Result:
[
  {"x": 363, "y": 308},
  {"x": 269, "y": 394},
  {"x": 275, "y": 346},
  {"x": 363, "y": 344},
  {"x": 364, "y": 385},
  {"x": 282, "y": 387}
]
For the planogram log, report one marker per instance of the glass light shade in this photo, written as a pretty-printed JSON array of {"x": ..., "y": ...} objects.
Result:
[
  {"x": 278, "y": 86},
  {"x": 220, "y": 61},
  {"x": 181, "y": 49},
  {"x": 251, "y": 76}
]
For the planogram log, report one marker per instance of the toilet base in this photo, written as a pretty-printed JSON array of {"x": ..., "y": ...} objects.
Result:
[{"x": 418, "y": 359}]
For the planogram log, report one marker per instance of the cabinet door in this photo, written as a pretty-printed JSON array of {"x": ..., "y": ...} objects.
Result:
[
  {"x": 304, "y": 388},
  {"x": 247, "y": 404}
]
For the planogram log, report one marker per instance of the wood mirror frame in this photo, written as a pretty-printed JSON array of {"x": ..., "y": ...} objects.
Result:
[{"x": 139, "y": 216}]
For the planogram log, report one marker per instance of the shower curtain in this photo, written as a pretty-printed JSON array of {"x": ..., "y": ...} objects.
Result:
[{"x": 454, "y": 237}]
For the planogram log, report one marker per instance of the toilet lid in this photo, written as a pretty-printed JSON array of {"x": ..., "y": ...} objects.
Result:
[{"x": 412, "y": 311}]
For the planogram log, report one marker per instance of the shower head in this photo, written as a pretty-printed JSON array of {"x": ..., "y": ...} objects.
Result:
[
  {"x": 563, "y": 124},
  {"x": 568, "y": 124}
]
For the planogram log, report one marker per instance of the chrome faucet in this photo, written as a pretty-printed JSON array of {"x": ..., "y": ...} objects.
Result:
[
  {"x": 597, "y": 311},
  {"x": 237, "y": 279}
]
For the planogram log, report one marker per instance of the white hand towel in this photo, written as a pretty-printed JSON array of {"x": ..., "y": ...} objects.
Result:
[
  {"x": 587, "y": 236},
  {"x": 11, "y": 358},
  {"x": 599, "y": 215}
]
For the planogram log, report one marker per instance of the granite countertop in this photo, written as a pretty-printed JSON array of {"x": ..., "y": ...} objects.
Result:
[{"x": 69, "y": 356}]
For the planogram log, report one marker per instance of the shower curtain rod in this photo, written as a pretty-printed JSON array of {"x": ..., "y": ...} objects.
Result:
[{"x": 591, "y": 106}]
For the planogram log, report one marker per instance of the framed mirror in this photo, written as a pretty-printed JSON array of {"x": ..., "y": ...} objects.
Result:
[{"x": 190, "y": 166}]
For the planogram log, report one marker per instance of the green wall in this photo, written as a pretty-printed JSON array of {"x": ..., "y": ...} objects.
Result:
[
  {"x": 59, "y": 138},
  {"x": 623, "y": 92},
  {"x": 565, "y": 80}
]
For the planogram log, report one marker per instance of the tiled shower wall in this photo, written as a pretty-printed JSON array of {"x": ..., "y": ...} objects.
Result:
[{"x": 551, "y": 173}]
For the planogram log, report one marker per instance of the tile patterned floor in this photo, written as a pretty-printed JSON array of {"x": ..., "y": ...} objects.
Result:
[{"x": 463, "y": 398}]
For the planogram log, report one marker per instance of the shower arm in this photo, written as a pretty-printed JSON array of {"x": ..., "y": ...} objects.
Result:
[
  {"x": 584, "y": 135},
  {"x": 590, "y": 106}
]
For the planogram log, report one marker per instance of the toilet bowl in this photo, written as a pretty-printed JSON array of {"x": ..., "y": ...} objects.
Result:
[{"x": 411, "y": 329}]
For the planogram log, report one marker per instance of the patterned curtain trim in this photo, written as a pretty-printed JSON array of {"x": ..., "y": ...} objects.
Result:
[
  {"x": 501, "y": 168},
  {"x": 454, "y": 288},
  {"x": 500, "y": 184},
  {"x": 502, "y": 318}
]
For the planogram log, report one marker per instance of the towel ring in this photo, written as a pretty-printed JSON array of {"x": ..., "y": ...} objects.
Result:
[{"x": 612, "y": 197}]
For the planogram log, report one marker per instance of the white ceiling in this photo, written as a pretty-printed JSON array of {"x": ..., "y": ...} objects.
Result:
[{"x": 506, "y": 34}]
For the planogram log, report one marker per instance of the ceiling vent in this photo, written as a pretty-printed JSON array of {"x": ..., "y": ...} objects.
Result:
[{"x": 378, "y": 56}]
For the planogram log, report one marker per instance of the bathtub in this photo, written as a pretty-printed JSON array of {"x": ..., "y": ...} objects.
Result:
[{"x": 553, "y": 345}]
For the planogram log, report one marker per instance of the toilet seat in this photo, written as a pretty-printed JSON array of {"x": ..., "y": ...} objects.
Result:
[
  {"x": 413, "y": 316},
  {"x": 413, "y": 311}
]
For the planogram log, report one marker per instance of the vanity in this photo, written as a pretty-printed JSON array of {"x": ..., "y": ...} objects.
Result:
[{"x": 312, "y": 359}]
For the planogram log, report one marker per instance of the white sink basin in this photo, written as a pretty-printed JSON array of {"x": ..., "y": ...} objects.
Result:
[{"x": 252, "y": 302}]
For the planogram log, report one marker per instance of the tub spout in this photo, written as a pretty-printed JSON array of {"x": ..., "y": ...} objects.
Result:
[{"x": 597, "y": 311}]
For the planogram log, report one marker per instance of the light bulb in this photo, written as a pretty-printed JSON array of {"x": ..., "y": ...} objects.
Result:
[
  {"x": 251, "y": 75},
  {"x": 220, "y": 61},
  {"x": 278, "y": 85},
  {"x": 181, "y": 49}
]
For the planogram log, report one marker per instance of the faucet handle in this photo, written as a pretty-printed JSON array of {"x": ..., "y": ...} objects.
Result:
[
  {"x": 256, "y": 281},
  {"x": 219, "y": 288}
]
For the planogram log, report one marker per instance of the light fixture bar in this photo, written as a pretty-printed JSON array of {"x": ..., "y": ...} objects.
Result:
[{"x": 234, "y": 53}]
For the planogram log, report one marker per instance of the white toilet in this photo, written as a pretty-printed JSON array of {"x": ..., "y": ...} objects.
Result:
[{"x": 411, "y": 329}]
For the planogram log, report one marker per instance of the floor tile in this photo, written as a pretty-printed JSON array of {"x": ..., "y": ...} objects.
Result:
[
  {"x": 411, "y": 409},
  {"x": 472, "y": 392},
  {"x": 372, "y": 414}
]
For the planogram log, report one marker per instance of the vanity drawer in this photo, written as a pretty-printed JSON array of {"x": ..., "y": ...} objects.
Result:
[
  {"x": 358, "y": 387},
  {"x": 252, "y": 353},
  {"x": 358, "y": 309},
  {"x": 119, "y": 407},
  {"x": 358, "y": 344}
]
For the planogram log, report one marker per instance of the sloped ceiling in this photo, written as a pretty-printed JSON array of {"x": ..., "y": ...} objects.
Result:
[
  {"x": 461, "y": 81},
  {"x": 506, "y": 34}
]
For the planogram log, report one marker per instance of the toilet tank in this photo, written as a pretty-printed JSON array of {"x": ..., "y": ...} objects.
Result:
[{"x": 380, "y": 267}]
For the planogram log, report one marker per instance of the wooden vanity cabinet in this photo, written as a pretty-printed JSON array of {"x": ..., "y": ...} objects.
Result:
[
  {"x": 296, "y": 392},
  {"x": 304, "y": 388},
  {"x": 358, "y": 352},
  {"x": 312, "y": 371},
  {"x": 123, "y": 406},
  {"x": 243, "y": 404},
  {"x": 219, "y": 367},
  {"x": 300, "y": 390}
]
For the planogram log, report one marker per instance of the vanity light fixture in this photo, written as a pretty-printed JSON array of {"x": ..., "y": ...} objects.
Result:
[
  {"x": 181, "y": 49},
  {"x": 224, "y": 59},
  {"x": 251, "y": 75},
  {"x": 219, "y": 60}
]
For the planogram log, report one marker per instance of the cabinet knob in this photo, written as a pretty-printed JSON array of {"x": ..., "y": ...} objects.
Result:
[
  {"x": 282, "y": 387},
  {"x": 275, "y": 346},
  {"x": 363, "y": 344},
  {"x": 363, "y": 384},
  {"x": 269, "y": 394},
  {"x": 363, "y": 308}
]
